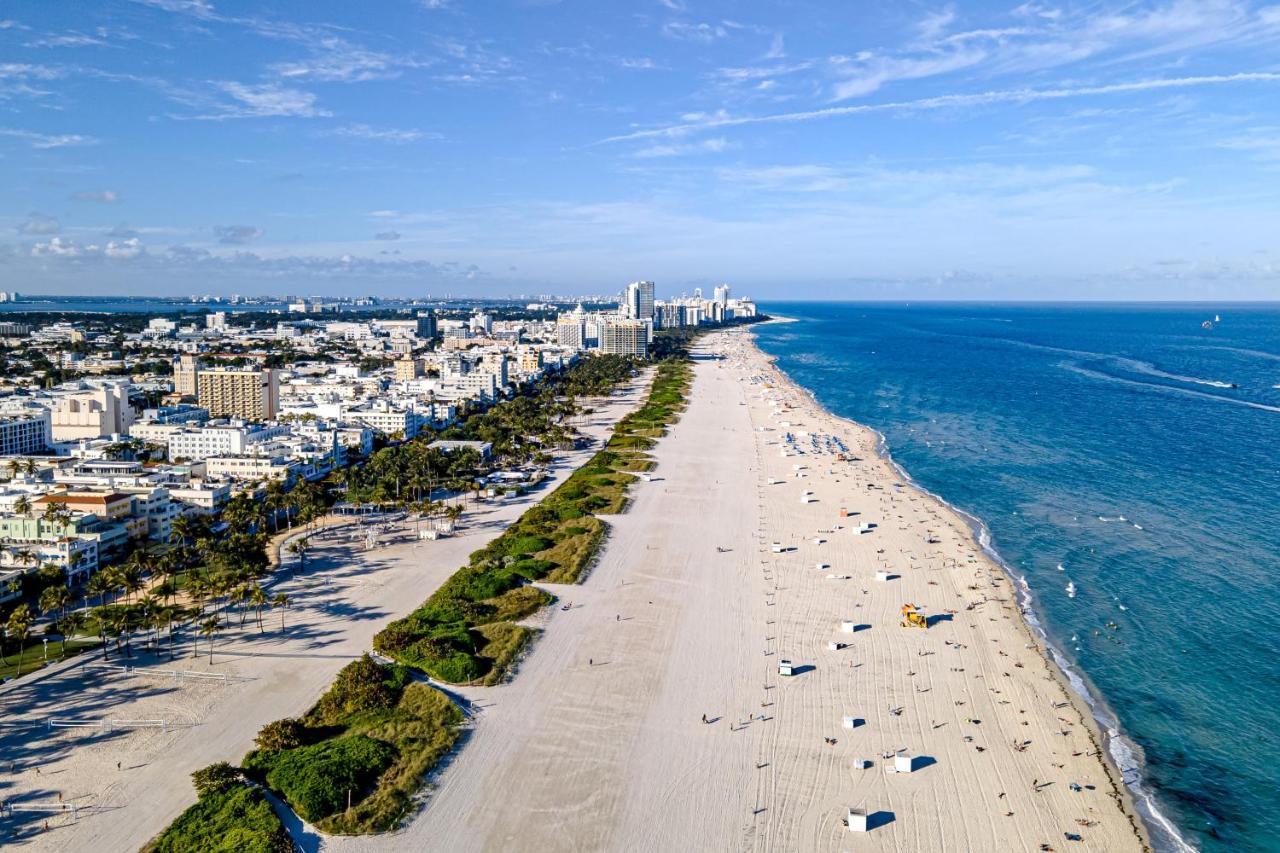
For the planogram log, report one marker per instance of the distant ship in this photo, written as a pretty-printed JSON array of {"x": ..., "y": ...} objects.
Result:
[
  {"x": 1207, "y": 324},
  {"x": 1071, "y": 589}
]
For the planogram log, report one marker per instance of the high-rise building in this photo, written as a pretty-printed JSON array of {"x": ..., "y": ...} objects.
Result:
[
  {"x": 625, "y": 337},
  {"x": 253, "y": 395},
  {"x": 637, "y": 303},
  {"x": 185, "y": 375},
  {"x": 216, "y": 320},
  {"x": 722, "y": 294},
  {"x": 571, "y": 329},
  {"x": 427, "y": 327}
]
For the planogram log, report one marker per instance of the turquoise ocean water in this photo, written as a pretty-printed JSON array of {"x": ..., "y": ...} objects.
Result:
[{"x": 1133, "y": 452}]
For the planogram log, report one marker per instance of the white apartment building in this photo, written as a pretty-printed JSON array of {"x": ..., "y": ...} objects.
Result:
[
  {"x": 23, "y": 434},
  {"x": 92, "y": 412},
  {"x": 223, "y": 440}
]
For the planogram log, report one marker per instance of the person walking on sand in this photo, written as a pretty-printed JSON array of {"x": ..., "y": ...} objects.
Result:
[{"x": 704, "y": 718}]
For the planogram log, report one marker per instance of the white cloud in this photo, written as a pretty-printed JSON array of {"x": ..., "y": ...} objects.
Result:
[
  {"x": 57, "y": 247},
  {"x": 66, "y": 40},
  {"x": 237, "y": 235},
  {"x": 387, "y": 235},
  {"x": 378, "y": 134},
  {"x": 266, "y": 100},
  {"x": 101, "y": 196},
  {"x": 867, "y": 76},
  {"x": 130, "y": 248},
  {"x": 706, "y": 146},
  {"x": 38, "y": 224},
  {"x": 934, "y": 24},
  {"x": 46, "y": 140},
  {"x": 699, "y": 32},
  {"x": 694, "y": 123}
]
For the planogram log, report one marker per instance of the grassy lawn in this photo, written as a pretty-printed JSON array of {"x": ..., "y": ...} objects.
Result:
[{"x": 33, "y": 657}]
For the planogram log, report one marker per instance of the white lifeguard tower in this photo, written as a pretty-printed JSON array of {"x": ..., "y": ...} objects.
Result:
[
  {"x": 851, "y": 722},
  {"x": 882, "y": 576},
  {"x": 786, "y": 667},
  {"x": 834, "y": 646},
  {"x": 904, "y": 762},
  {"x": 775, "y": 547},
  {"x": 857, "y": 819},
  {"x": 848, "y": 626}
]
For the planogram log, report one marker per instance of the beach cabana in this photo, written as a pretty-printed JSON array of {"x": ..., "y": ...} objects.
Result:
[
  {"x": 849, "y": 626},
  {"x": 776, "y": 547},
  {"x": 857, "y": 820},
  {"x": 852, "y": 723},
  {"x": 882, "y": 576},
  {"x": 904, "y": 762},
  {"x": 786, "y": 667},
  {"x": 834, "y": 645}
]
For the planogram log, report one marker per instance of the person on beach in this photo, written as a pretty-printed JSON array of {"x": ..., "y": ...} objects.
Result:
[{"x": 704, "y": 718}]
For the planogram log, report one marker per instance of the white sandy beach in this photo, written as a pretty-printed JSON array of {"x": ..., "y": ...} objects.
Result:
[
  {"x": 346, "y": 595},
  {"x": 598, "y": 743}
]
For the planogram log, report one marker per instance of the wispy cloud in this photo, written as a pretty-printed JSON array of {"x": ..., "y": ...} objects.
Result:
[
  {"x": 702, "y": 33},
  {"x": 381, "y": 134},
  {"x": 100, "y": 196},
  {"x": 265, "y": 100},
  {"x": 706, "y": 146},
  {"x": 953, "y": 101},
  {"x": 39, "y": 224},
  {"x": 48, "y": 140},
  {"x": 237, "y": 235}
]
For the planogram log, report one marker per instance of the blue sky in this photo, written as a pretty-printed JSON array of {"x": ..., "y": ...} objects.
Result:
[{"x": 789, "y": 147}]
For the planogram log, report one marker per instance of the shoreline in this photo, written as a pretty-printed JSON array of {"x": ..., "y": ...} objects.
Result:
[{"x": 1112, "y": 744}]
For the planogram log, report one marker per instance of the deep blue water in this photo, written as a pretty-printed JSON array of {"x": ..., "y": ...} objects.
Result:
[{"x": 1045, "y": 420}]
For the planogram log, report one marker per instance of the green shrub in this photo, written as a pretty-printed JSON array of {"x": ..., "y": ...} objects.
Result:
[
  {"x": 215, "y": 779},
  {"x": 527, "y": 545},
  {"x": 237, "y": 819},
  {"x": 361, "y": 685},
  {"x": 282, "y": 734},
  {"x": 317, "y": 779}
]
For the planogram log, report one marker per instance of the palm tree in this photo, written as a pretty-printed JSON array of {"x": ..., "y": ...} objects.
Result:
[
  {"x": 19, "y": 626},
  {"x": 130, "y": 578},
  {"x": 14, "y": 467},
  {"x": 208, "y": 628},
  {"x": 101, "y": 584},
  {"x": 56, "y": 599},
  {"x": 258, "y": 598},
  {"x": 149, "y": 608},
  {"x": 22, "y": 506},
  {"x": 198, "y": 588},
  {"x": 69, "y": 625},
  {"x": 282, "y": 601}
]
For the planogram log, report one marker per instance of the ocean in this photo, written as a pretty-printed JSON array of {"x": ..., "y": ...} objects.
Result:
[{"x": 1132, "y": 452}]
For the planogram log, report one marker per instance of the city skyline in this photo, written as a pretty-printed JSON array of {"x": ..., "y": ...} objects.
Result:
[{"x": 948, "y": 151}]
